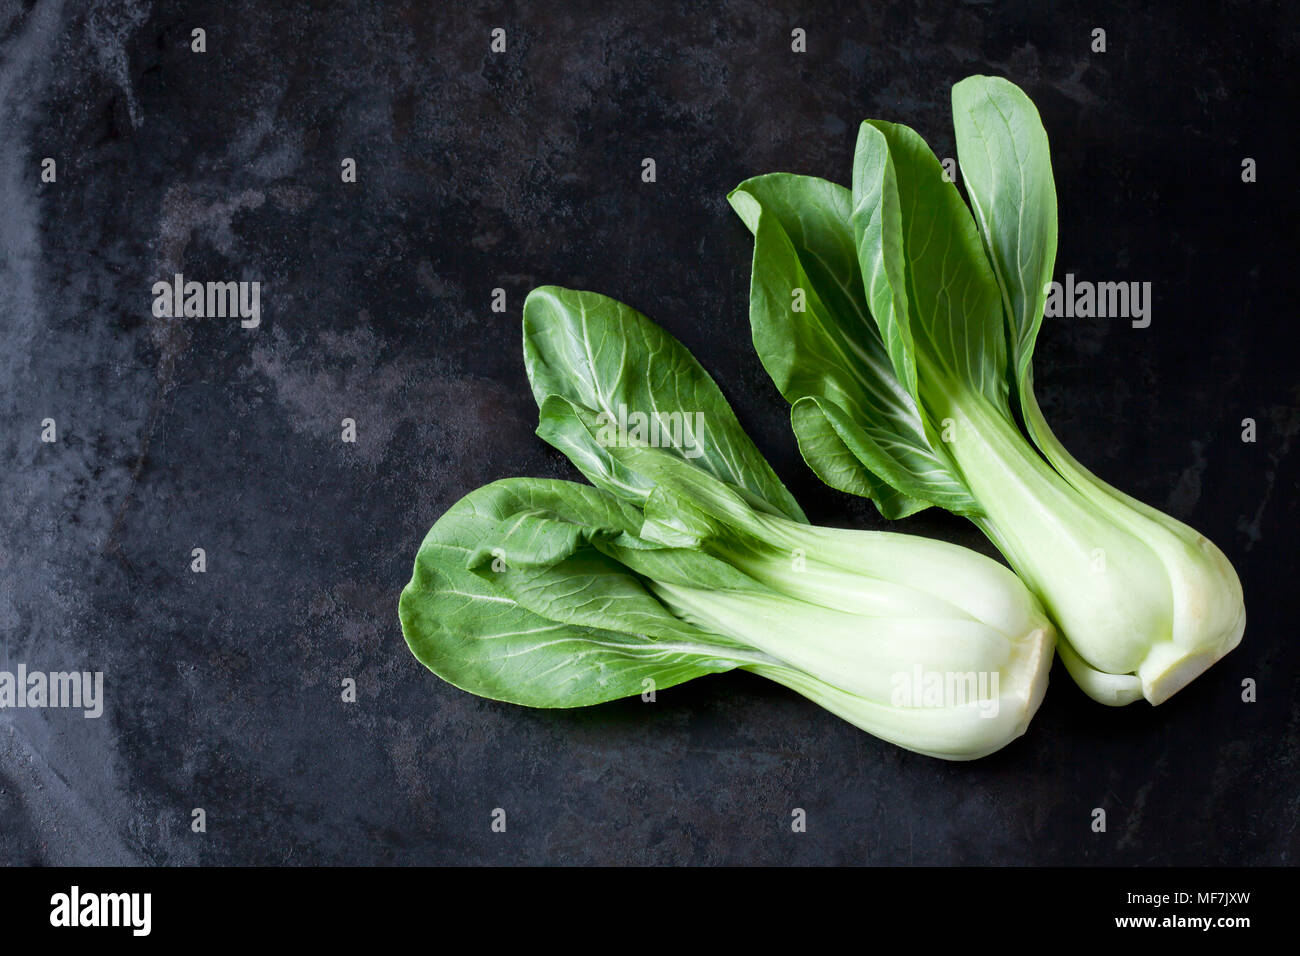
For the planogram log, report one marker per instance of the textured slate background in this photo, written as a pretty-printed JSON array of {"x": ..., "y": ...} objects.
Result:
[{"x": 480, "y": 170}]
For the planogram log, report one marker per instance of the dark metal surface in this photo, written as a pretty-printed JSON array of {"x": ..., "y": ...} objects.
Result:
[{"x": 480, "y": 170}]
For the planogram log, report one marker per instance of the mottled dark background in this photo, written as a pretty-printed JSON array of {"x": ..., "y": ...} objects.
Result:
[{"x": 480, "y": 170}]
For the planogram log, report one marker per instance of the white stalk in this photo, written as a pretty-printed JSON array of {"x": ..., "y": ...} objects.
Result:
[{"x": 1143, "y": 603}]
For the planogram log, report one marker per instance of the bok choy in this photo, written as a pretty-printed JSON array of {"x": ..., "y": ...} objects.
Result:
[
  {"x": 687, "y": 556},
  {"x": 901, "y": 329}
]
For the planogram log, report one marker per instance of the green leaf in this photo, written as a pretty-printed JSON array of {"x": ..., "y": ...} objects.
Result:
[
  {"x": 954, "y": 306},
  {"x": 878, "y": 232},
  {"x": 688, "y": 567},
  {"x": 813, "y": 213},
  {"x": 540, "y": 537},
  {"x": 1007, "y": 167},
  {"x": 609, "y": 358},
  {"x": 613, "y": 459},
  {"x": 474, "y": 630},
  {"x": 843, "y": 453},
  {"x": 593, "y": 590},
  {"x": 829, "y": 360}
]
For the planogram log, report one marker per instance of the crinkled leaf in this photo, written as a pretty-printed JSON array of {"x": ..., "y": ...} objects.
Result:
[
  {"x": 832, "y": 353},
  {"x": 472, "y": 631},
  {"x": 614, "y": 459},
  {"x": 590, "y": 589},
  {"x": 837, "y": 447},
  {"x": 541, "y": 537},
  {"x": 607, "y": 357}
]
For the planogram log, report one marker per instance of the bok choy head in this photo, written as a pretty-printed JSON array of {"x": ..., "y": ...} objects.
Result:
[
  {"x": 901, "y": 329},
  {"x": 686, "y": 556}
]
